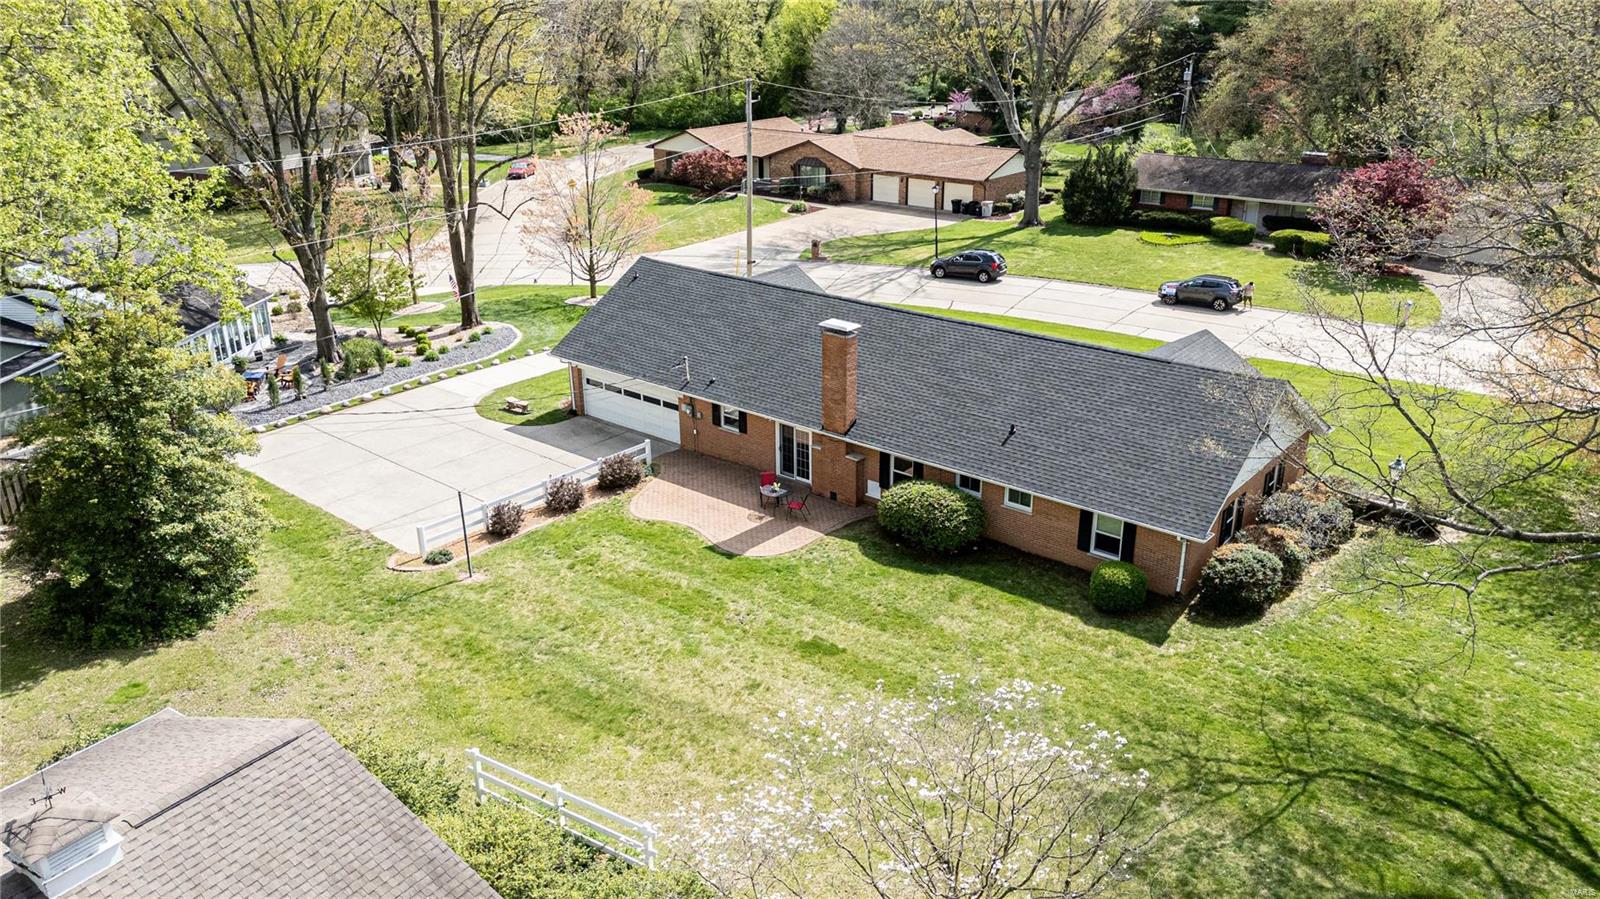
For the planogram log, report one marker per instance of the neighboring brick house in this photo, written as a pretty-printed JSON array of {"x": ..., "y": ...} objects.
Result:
[
  {"x": 1268, "y": 195},
  {"x": 899, "y": 164},
  {"x": 259, "y": 807},
  {"x": 1078, "y": 452}
]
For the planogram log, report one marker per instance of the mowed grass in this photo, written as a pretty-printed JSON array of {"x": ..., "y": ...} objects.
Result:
[
  {"x": 250, "y": 237},
  {"x": 543, "y": 394},
  {"x": 1338, "y": 746},
  {"x": 684, "y": 216},
  {"x": 539, "y": 311},
  {"x": 1118, "y": 258}
]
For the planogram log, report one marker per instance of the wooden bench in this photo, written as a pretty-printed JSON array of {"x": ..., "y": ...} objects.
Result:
[{"x": 516, "y": 406}]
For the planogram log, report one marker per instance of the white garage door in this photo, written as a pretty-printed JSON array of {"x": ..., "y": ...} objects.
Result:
[
  {"x": 631, "y": 403},
  {"x": 886, "y": 188},
  {"x": 919, "y": 193},
  {"x": 954, "y": 191}
]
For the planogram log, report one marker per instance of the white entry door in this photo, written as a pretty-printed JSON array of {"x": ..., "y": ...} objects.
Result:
[
  {"x": 794, "y": 453},
  {"x": 886, "y": 189},
  {"x": 631, "y": 403},
  {"x": 919, "y": 192}
]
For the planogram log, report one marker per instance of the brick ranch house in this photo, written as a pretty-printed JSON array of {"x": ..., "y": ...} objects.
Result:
[
  {"x": 1079, "y": 453},
  {"x": 1265, "y": 194},
  {"x": 897, "y": 164}
]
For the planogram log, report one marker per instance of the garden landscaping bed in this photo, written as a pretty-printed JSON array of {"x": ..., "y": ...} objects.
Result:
[{"x": 258, "y": 414}]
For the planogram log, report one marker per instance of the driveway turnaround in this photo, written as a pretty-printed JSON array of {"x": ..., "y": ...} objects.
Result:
[{"x": 386, "y": 465}]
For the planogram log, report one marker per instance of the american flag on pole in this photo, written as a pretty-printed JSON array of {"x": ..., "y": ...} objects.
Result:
[{"x": 455, "y": 289}]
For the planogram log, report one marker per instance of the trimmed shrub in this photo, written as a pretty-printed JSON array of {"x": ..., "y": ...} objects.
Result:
[
  {"x": 474, "y": 337},
  {"x": 403, "y": 362},
  {"x": 1168, "y": 220},
  {"x": 563, "y": 495},
  {"x": 240, "y": 363},
  {"x": 798, "y": 206},
  {"x": 619, "y": 472},
  {"x": 1117, "y": 587},
  {"x": 294, "y": 307},
  {"x": 1240, "y": 579},
  {"x": 1288, "y": 223},
  {"x": 427, "y": 784},
  {"x": 274, "y": 392},
  {"x": 1292, "y": 241},
  {"x": 1287, "y": 544},
  {"x": 430, "y": 356},
  {"x": 1228, "y": 229},
  {"x": 1322, "y": 520},
  {"x": 932, "y": 517},
  {"x": 276, "y": 309},
  {"x": 439, "y": 557},
  {"x": 444, "y": 349},
  {"x": 360, "y": 354},
  {"x": 505, "y": 519},
  {"x": 1002, "y": 208}
]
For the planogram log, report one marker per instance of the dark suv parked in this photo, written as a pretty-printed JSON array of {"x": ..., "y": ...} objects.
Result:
[
  {"x": 1220, "y": 292},
  {"x": 985, "y": 265}
]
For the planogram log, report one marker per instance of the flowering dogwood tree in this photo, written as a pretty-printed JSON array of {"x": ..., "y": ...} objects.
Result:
[{"x": 954, "y": 792}]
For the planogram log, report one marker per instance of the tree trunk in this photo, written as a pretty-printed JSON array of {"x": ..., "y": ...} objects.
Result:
[
  {"x": 391, "y": 139},
  {"x": 313, "y": 274},
  {"x": 1032, "y": 166}
]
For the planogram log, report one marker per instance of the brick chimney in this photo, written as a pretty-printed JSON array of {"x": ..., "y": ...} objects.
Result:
[{"x": 838, "y": 375}]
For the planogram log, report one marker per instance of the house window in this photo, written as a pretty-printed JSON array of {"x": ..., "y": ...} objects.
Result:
[
  {"x": 1150, "y": 197},
  {"x": 1274, "y": 481},
  {"x": 811, "y": 172},
  {"x": 1202, "y": 201},
  {"x": 1020, "y": 500},
  {"x": 794, "y": 453},
  {"x": 901, "y": 469},
  {"x": 728, "y": 419},
  {"x": 969, "y": 484},
  {"x": 1107, "y": 538},
  {"x": 1232, "y": 520}
]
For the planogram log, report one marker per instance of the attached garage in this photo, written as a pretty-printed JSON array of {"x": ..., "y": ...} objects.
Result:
[
  {"x": 886, "y": 189},
  {"x": 631, "y": 403},
  {"x": 919, "y": 192},
  {"x": 955, "y": 190}
]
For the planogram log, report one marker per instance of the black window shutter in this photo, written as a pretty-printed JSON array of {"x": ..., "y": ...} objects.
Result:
[
  {"x": 744, "y": 422},
  {"x": 716, "y": 415},
  {"x": 916, "y": 470},
  {"x": 1085, "y": 529},
  {"x": 883, "y": 471},
  {"x": 1129, "y": 531}
]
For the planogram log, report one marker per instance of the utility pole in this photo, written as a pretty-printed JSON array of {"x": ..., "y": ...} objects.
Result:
[
  {"x": 749, "y": 182},
  {"x": 1188, "y": 91}
]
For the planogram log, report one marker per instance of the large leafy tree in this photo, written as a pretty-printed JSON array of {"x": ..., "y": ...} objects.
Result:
[{"x": 278, "y": 85}]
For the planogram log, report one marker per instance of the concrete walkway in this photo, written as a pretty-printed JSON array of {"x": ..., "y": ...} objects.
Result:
[{"x": 386, "y": 465}]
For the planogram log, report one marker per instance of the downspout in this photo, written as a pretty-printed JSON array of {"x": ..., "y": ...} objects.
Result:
[{"x": 1183, "y": 563}]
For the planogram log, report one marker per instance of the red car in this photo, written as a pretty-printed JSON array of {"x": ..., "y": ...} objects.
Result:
[{"x": 520, "y": 168}]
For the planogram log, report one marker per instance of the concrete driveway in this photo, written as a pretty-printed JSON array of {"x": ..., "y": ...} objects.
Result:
[{"x": 386, "y": 465}]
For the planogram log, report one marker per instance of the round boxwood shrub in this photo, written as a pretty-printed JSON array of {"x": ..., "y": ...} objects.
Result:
[
  {"x": 932, "y": 517},
  {"x": 1322, "y": 520},
  {"x": 1309, "y": 244},
  {"x": 438, "y": 557},
  {"x": 1240, "y": 579},
  {"x": 1287, "y": 544},
  {"x": 1117, "y": 587},
  {"x": 1228, "y": 229}
]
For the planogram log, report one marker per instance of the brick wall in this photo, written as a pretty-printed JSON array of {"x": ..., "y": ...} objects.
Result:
[
  {"x": 757, "y": 447},
  {"x": 663, "y": 162},
  {"x": 1294, "y": 459},
  {"x": 575, "y": 382},
  {"x": 997, "y": 188},
  {"x": 781, "y": 165}
]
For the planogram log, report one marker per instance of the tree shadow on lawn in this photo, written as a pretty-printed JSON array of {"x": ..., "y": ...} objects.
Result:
[
  {"x": 1342, "y": 785},
  {"x": 1011, "y": 571},
  {"x": 666, "y": 194}
]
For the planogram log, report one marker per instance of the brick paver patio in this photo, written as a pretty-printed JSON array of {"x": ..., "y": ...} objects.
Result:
[{"x": 720, "y": 501}]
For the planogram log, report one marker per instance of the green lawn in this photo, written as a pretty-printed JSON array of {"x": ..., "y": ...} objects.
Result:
[
  {"x": 544, "y": 146},
  {"x": 683, "y": 216},
  {"x": 543, "y": 394},
  {"x": 1117, "y": 257},
  {"x": 250, "y": 237},
  {"x": 540, "y": 312}
]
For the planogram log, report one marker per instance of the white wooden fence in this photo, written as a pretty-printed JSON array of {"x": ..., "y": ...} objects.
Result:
[
  {"x": 443, "y": 530},
  {"x": 627, "y": 839}
]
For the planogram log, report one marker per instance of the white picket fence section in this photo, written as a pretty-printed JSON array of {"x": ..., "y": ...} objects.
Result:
[
  {"x": 627, "y": 839},
  {"x": 443, "y": 530}
]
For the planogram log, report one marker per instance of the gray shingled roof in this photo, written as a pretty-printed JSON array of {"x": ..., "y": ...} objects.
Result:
[
  {"x": 1277, "y": 182},
  {"x": 245, "y": 807},
  {"x": 55, "y": 824},
  {"x": 790, "y": 276},
  {"x": 1206, "y": 350},
  {"x": 1154, "y": 441}
]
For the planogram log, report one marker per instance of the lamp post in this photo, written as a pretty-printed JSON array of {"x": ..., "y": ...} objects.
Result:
[
  {"x": 1397, "y": 470},
  {"x": 936, "y": 220}
]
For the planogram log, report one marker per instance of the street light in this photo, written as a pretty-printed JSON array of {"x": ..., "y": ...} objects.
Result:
[
  {"x": 936, "y": 221},
  {"x": 1397, "y": 470}
]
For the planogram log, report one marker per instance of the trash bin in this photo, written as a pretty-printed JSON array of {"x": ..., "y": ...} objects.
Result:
[
  {"x": 972, "y": 207},
  {"x": 988, "y": 208},
  {"x": 955, "y": 206}
]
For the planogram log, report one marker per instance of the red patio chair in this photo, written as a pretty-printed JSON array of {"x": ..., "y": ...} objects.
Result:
[
  {"x": 798, "y": 506},
  {"x": 768, "y": 478}
]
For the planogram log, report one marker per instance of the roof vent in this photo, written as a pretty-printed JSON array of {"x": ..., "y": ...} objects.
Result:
[{"x": 64, "y": 841}]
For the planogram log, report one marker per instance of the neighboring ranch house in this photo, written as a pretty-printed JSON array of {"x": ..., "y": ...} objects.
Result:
[
  {"x": 25, "y": 354},
  {"x": 897, "y": 164},
  {"x": 1265, "y": 194},
  {"x": 352, "y": 161},
  {"x": 1078, "y": 452},
  {"x": 240, "y": 807}
]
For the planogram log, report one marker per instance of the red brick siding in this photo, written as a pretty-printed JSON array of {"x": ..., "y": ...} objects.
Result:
[
  {"x": 757, "y": 447},
  {"x": 781, "y": 165},
  {"x": 575, "y": 382},
  {"x": 1180, "y": 203},
  {"x": 1294, "y": 459},
  {"x": 663, "y": 162},
  {"x": 998, "y": 188}
]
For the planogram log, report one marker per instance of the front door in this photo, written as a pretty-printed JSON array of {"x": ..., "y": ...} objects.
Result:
[{"x": 794, "y": 453}]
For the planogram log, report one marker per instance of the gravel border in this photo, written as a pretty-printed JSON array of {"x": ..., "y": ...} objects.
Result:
[{"x": 467, "y": 357}]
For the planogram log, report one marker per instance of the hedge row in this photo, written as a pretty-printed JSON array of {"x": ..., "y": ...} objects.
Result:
[{"x": 1309, "y": 244}]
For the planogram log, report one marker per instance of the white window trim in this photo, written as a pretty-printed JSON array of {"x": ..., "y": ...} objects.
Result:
[
  {"x": 1194, "y": 202},
  {"x": 1146, "y": 195},
  {"x": 978, "y": 493},
  {"x": 722, "y": 419},
  {"x": 1232, "y": 513},
  {"x": 1006, "y": 500},
  {"x": 777, "y": 460},
  {"x": 1094, "y": 530},
  {"x": 896, "y": 475}
]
